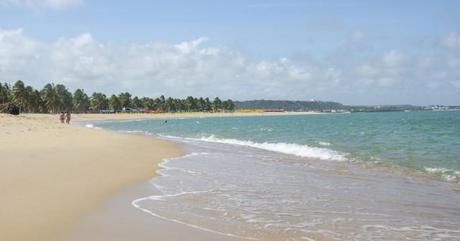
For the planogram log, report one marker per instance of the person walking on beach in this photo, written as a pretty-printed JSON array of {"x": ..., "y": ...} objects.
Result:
[
  {"x": 67, "y": 117},
  {"x": 62, "y": 117}
]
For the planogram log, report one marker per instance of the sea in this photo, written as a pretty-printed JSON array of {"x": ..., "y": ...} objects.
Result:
[{"x": 355, "y": 176}]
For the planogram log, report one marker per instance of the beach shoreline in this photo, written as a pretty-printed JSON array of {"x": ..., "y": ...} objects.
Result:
[
  {"x": 190, "y": 175},
  {"x": 134, "y": 116},
  {"x": 89, "y": 194},
  {"x": 51, "y": 174},
  {"x": 67, "y": 169},
  {"x": 118, "y": 220}
]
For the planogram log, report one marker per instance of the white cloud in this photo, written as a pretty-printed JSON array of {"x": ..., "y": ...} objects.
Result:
[
  {"x": 197, "y": 68},
  {"x": 37, "y": 4},
  {"x": 358, "y": 35},
  {"x": 393, "y": 58},
  {"x": 452, "y": 40}
]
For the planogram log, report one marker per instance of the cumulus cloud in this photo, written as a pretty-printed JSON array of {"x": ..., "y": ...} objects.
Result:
[
  {"x": 358, "y": 35},
  {"x": 393, "y": 58},
  {"x": 452, "y": 40},
  {"x": 37, "y": 4},
  {"x": 197, "y": 68}
]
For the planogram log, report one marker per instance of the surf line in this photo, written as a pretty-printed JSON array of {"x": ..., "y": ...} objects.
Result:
[{"x": 159, "y": 197}]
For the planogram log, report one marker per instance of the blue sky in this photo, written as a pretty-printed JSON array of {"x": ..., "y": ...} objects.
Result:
[{"x": 355, "y": 52}]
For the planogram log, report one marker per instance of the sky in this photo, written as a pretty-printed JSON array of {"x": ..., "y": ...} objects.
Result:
[{"x": 354, "y": 52}]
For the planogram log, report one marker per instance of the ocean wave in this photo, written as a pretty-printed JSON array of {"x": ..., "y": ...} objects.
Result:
[
  {"x": 323, "y": 143},
  {"x": 285, "y": 148},
  {"x": 92, "y": 126},
  {"x": 447, "y": 174},
  {"x": 137, "y": 132}
]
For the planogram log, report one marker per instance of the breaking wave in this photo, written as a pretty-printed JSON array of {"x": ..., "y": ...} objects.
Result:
[{"x": 281, "y": 147}]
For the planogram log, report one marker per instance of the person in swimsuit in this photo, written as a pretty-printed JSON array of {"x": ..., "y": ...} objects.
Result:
[
  {"x": 67, "y": 117},
  {"x": 62, "y": 117}
]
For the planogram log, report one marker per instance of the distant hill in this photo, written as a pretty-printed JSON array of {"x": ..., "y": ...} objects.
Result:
[
  {"x": 384, "y": 108},
  {"x": 325, "y": 106},
  {"x": 288, "y": 105}
]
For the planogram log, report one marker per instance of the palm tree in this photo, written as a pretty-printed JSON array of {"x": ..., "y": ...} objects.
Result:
[
  {"x": 208, "y": 105},
  {"x": 228, "y": 105},
  {"x": 29, "y": 100},
  {"x": 191, "y": 104},
  {"x": 137, "y": 103},
  {"x": 19, "y": 95},
  {"x": 217, "y": 104},
  {"x": 170, "y": 105},
  {"x": 50, "y": 98},
  {"x": 5, "y": 95},
  {"x": 65, "y": 97},
  {"x": 98, "y": 102},
  {"x": 38, "y": 103},
  {"x": 125, "y": 99},
  {"x": 80, "y": 101},
  {"x": 148, "y": 103},
  {"x": 114, "y": 103}
]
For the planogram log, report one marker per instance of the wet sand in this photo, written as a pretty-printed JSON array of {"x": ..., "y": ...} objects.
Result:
[{"x": 118, "y": 220}]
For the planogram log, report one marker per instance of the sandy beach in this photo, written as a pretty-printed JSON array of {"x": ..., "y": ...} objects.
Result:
[
  {"x": 53, "y": 174},
  {"x": 130, "y": 116},
  {"x": 63, "y": 182},
  {"x": 60, "y": 182}
]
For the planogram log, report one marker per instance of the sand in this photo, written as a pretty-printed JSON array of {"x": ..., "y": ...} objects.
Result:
[
  {"x": 129, "y": 116},
  {"x": 119, "y": 221},
  {"x": 53, "y": 174}
]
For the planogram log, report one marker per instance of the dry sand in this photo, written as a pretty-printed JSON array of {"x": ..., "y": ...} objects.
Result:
[{"x": 52, "y": 174}]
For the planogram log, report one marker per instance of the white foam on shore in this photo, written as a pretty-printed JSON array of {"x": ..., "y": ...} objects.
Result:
[
  {"x": 89, "y": 125},
  {"x": 281, "y": 147},
  {"x": 136, "y": 205},
  {"x": 163, "y": 166},
  {"x": 286, "y": 148},
  {"x": 447, "y": 174}
]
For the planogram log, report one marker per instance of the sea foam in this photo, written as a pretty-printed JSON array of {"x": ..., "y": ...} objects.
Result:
[
  {"x": 92, "y": 126},
  {"x": 286, "y": 148},
  {"x": 447, "y": 174}
]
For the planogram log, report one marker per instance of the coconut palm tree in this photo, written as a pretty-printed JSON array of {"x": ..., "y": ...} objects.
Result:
[
  {"x": 80, "y": 101},
  {"x": 19, "y": 95},
  {"x": 50, "y": 98}
]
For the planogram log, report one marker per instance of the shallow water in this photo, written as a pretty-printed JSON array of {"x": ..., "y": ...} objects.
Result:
[
  {"x": 239, "y": 179},
  {"x": 256, "y": 194}
]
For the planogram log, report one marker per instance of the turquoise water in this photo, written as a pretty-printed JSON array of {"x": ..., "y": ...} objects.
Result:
[
  {"x": 293, "y": 178},
  {"x": 427, "y": 141}
]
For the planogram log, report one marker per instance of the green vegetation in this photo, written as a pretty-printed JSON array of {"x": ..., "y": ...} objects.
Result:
[
  {"x": 56, "y": 98},
  {"x": 328, "y": 106},
  {"x": 289, "y": 105}
]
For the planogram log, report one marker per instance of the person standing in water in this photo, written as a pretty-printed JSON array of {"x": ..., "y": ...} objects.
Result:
[
  {"x": 62, "y": 117},
  {"x": 67, "y": 117}
]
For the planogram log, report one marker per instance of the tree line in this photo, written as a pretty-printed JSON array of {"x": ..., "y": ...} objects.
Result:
[
  {"x": 288, "y": 105},
  {"x": 57, "y": 98}
]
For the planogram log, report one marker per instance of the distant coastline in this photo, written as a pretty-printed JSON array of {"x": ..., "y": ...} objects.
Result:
[{"x": 57, "y": 98}]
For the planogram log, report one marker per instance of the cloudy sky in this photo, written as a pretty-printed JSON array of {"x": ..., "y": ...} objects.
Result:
[{"x": 354, "y": 52}]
